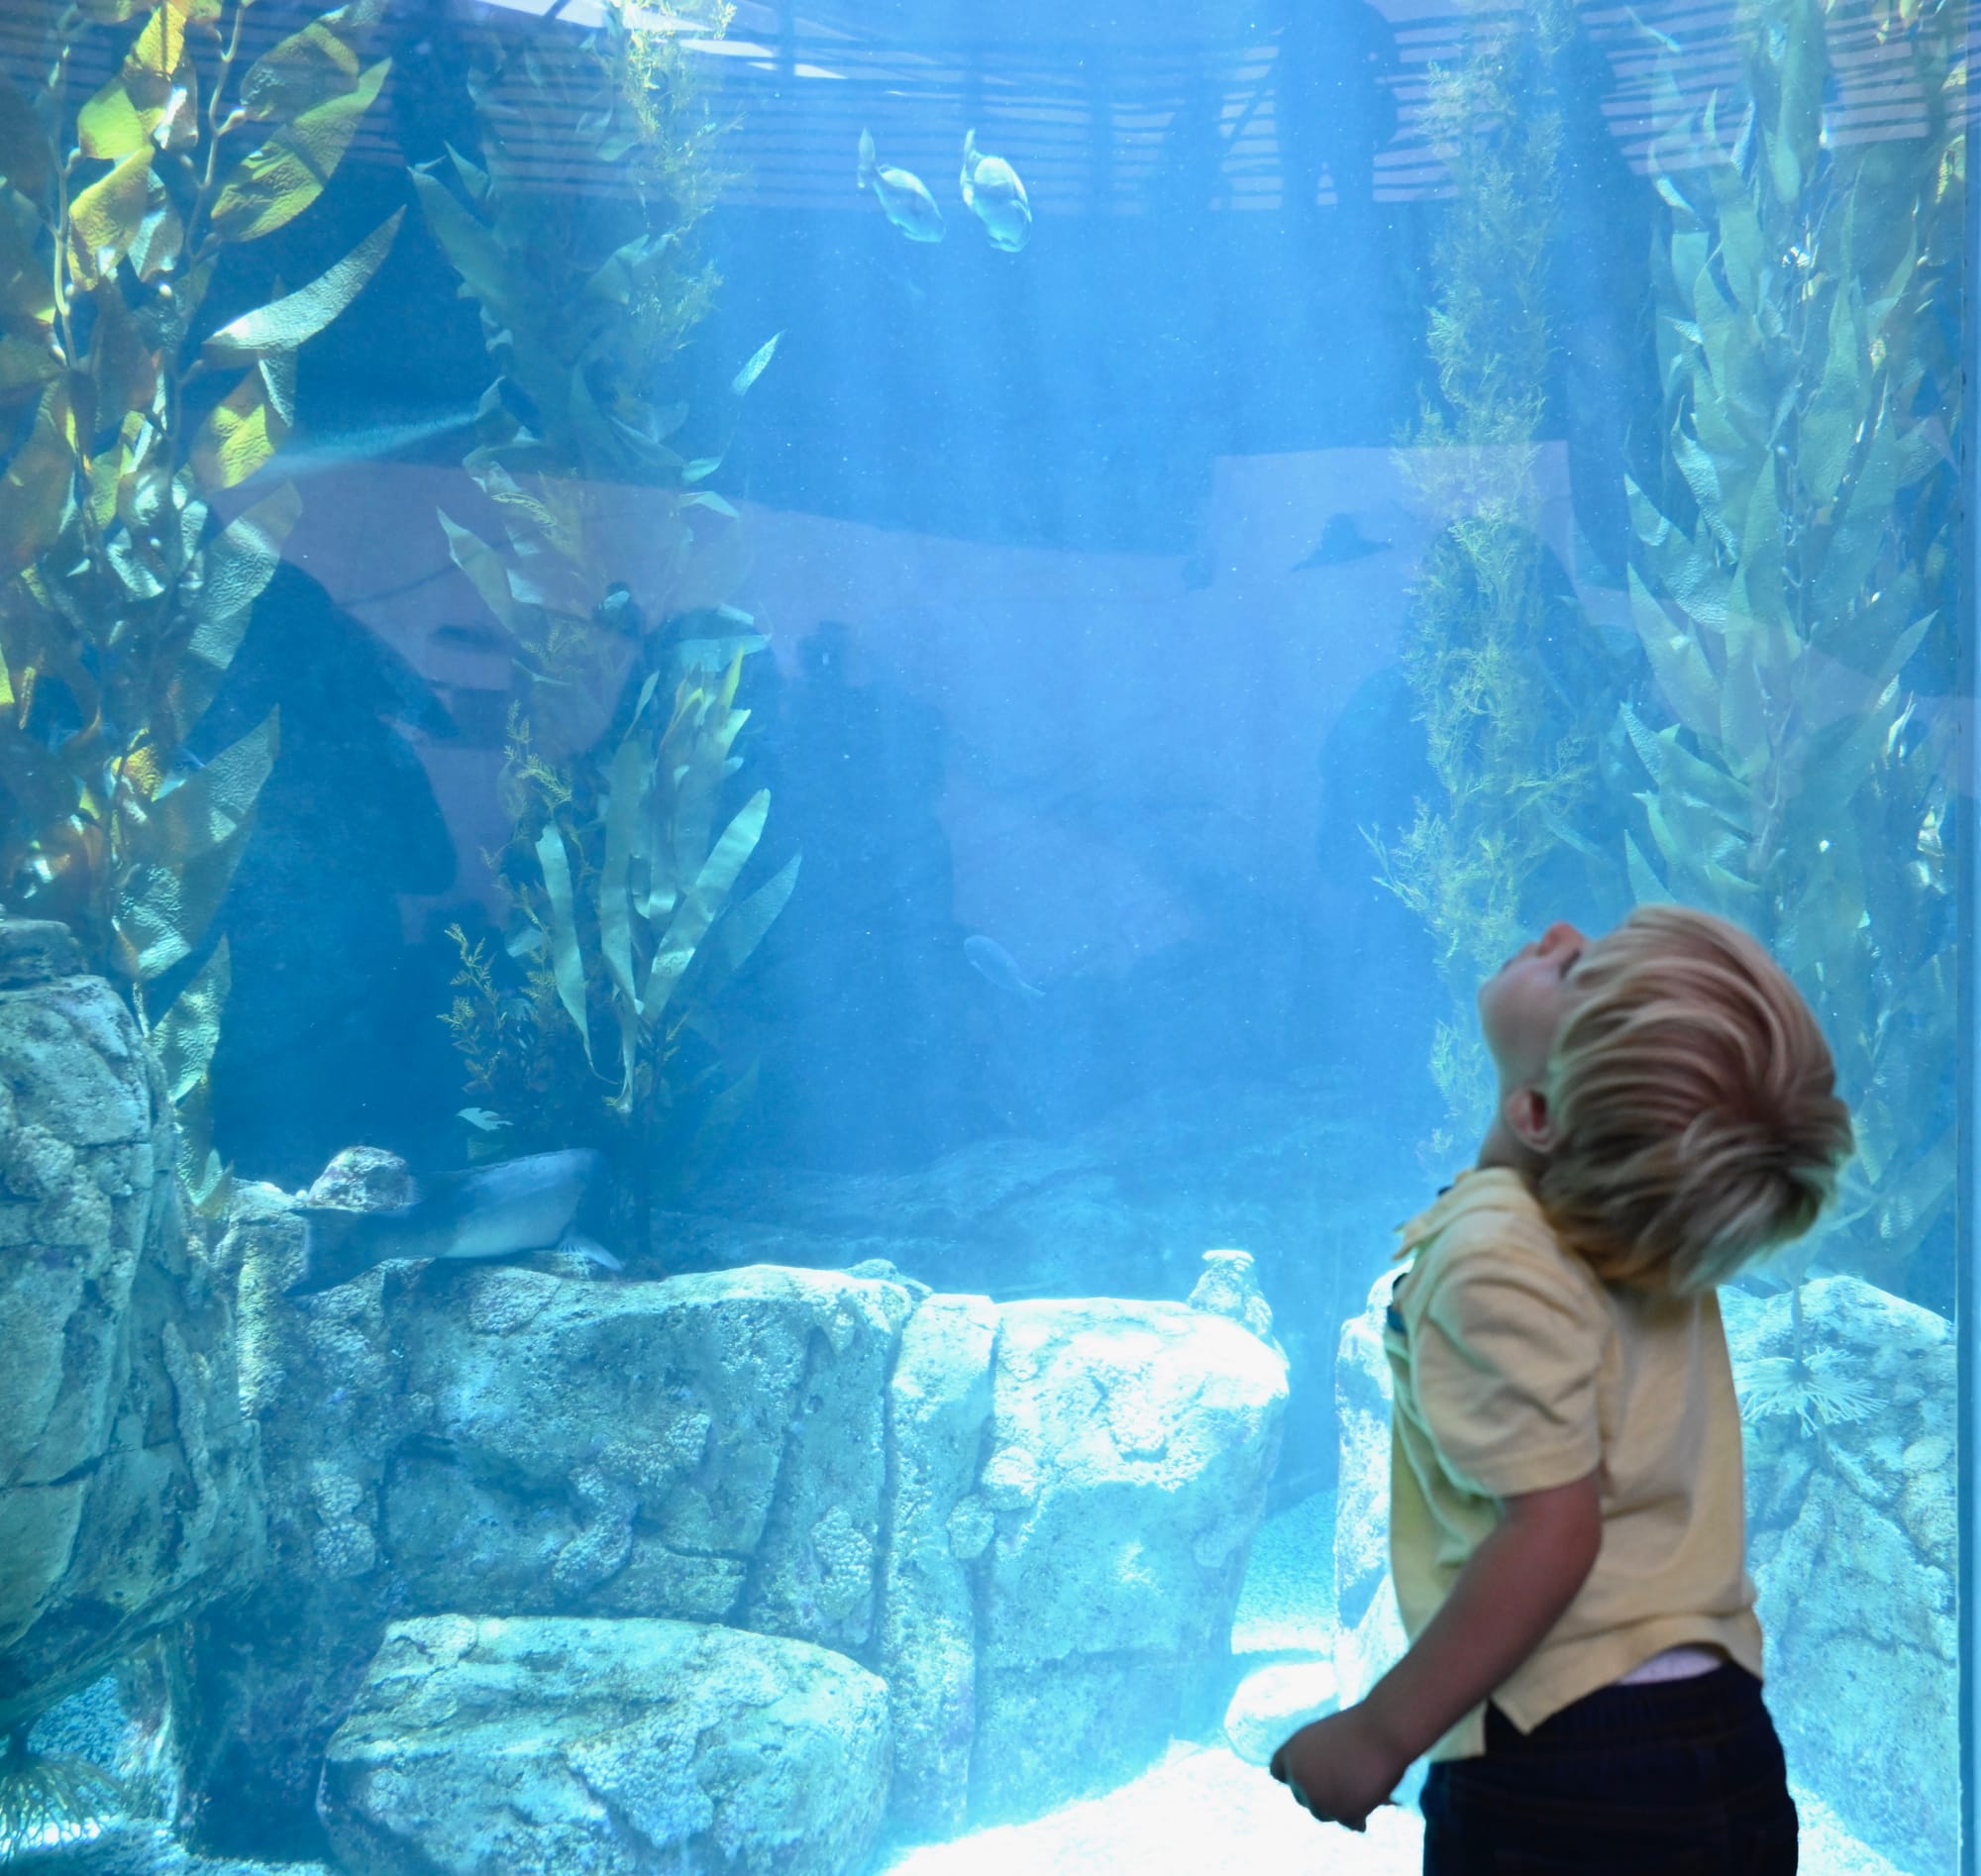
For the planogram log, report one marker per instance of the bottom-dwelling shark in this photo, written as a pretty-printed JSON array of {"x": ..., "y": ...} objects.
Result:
[{"x": 526, "y": 1204}]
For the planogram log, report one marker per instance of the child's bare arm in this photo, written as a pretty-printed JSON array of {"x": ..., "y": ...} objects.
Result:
[{"x": 1512, "y": 1589}]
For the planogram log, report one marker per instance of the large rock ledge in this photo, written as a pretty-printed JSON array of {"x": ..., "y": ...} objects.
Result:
[
  {"x": 130, "y": 1486},
  {"x": 1029, "y": 1521},
  {"x": 540, "y": 1745}
]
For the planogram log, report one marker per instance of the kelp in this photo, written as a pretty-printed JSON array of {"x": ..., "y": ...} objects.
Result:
[
  {"x": 1793, "y": 578},
  {"x": 622, "y": 878},
  {"x": 1507, "y": 672},
  {"x": 124, "y": 602}
]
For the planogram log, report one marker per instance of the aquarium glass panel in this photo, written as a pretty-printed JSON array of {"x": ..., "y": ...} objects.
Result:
[{"x": 923, "y": 928}]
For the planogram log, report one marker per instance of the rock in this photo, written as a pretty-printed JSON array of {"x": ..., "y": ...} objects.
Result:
[
  {"x": 576, "y": 1743},
  {"x": 1229, "y": 1286},
  {"x": 927, "y": 1489},
  {"x": 138, "y": 1847},
  {"x": 364, "y": 1179},
  {"x": 1852, "y": 1543},
  {"x": 37, "y": 950},
  {"x": 938, "y": 1412},
  {"x": 1371, "y": 1637},
  {"x": 1130, "y": 1445},
  {"x": 130, "y": 1490},
  {"x": 1272, "y": 1701}
]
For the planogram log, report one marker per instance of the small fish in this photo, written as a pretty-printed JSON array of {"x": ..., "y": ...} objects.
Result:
[
  {"x": 1341, "y": 540},
  {"x": 997, "y": 966},
  {"x": 909, "y": 205},
  {"x": 484, "y": 1119},
  {"x": 526, "y": 1204},
  {"x": 992, "y": 193}
]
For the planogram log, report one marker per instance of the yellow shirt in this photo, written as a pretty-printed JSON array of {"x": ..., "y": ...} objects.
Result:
[{"x": 1515, "y": 1368}]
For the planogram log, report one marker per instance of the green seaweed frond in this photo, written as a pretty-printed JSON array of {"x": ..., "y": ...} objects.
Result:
[{"x": 46, "y": 1803}]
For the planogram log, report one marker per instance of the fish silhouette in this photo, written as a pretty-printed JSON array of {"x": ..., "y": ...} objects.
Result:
[{"x": 992, "y": 193}]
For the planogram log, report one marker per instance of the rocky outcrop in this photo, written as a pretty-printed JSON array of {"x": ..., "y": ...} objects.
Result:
[
  {"x": 1030, "y": 1520},
  {"x": 130, "y": 1488},
  {"x": 540, "y": 1746},
  {"x": 1851, "y": 1538},
  {"x": 1129, "y": 1448}
]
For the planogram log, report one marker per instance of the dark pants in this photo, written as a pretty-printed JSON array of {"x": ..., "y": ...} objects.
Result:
[{"x": 1681, "y": 1778}]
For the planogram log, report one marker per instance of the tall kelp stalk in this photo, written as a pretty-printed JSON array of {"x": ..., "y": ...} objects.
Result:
[
  {"x": 594, "y": 1017},
  {"x": 1504, "y": 665},
  {"x": 122, "y": 602},
  {"x": 1794, "y": 582}
]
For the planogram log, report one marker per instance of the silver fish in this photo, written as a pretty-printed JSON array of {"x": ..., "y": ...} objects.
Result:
[
  {"x": 993, "y": 962},
  {"x": 992, "y": 193},
  {"x": 526, "y": 1204},
  {"x": 905, "y": 197}
]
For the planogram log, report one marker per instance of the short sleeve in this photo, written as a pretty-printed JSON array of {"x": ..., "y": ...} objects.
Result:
[{"x": 1505, "y": 1359}]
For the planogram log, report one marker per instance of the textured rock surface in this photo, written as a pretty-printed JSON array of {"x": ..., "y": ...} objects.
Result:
[
  {"x": 1852, "y": 1540},
  {"x": 129, "y": 1484},
  {"x": 563, "y": 1744},
  {"x": 1130, "y": 1445},
  {"x": 938, "y": 1418}
]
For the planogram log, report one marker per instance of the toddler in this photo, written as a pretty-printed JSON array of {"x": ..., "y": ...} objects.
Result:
[{"x": 1567, "y": 1532}]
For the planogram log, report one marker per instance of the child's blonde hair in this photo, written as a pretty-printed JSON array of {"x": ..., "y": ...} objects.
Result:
[{"x": 1694, "y": 1099}]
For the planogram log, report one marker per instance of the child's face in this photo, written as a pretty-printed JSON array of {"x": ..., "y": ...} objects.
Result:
[{"x": 1521, "y": 1006}]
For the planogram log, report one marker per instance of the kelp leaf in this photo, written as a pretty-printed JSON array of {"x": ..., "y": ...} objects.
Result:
[
  {"x": 622, "y": 824},
  {"x": 312, "y": 67},
  {"x": 153, "y": 98},
  {"x": 567, "y": 962},
  {"x": 742, "y": 929},
  {"x": 246, "y": 426},
  {"x": 185, "y": 848},
  {"x": 160, "y": 239},
  {"x": 481, "y": 563},
  {"x": 270, "y": 187},
  {"x": 754, "y": 370},
  {"x": 39, "y": 487},
  {"x": 286, "y": 324},
  {"x": 103, "y": 221},
  {"x": 186, "y": 1035},
  {"x": 469, "y": 248},
  {"x": 240, "y": 562}
]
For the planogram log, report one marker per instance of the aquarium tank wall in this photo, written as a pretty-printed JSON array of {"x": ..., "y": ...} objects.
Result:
[{"x": 755, "y": 764}]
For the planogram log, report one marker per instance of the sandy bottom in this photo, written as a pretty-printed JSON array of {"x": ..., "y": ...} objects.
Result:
[{"x": 1206, "y": 1812}]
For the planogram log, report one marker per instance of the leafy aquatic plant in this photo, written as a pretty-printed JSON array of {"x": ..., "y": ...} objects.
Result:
[
  {"x": 1510, "y": 731},
  {"x": 122, "y": 603},
  {"x": 1793, "y": 583},
  {"x": 621, "y": 872},
  {"x": 48, "y": 1802}
]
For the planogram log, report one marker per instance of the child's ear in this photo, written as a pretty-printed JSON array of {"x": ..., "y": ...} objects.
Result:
[{"x": 1528, "y": 1114}]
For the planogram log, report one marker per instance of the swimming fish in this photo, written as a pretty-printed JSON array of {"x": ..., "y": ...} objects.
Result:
[
  {"x": 526, "y": 1204},
  {"x": 996, "y": 965},
  {"x": 909, "y": 205},
  {"x": 992, "y": 193},
  {"x": 1341, "y": 540}
]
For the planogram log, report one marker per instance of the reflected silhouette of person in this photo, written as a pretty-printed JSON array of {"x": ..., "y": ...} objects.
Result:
[
  {"x": 1332, "y": 102},
  {"x": 330, "y": 1034}
]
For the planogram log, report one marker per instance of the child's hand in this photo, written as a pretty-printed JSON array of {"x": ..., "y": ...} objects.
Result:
[{"x": 1338, "y": 1769}]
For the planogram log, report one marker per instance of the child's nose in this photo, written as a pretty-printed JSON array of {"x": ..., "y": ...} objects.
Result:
[{"x": 1560, "y": 933}]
